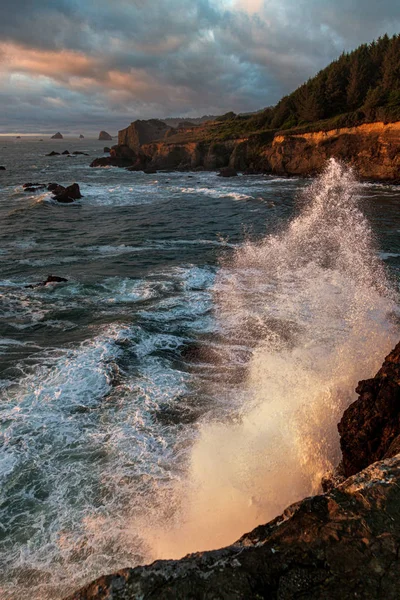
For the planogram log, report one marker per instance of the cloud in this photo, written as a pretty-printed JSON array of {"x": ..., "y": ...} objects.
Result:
[{"x": 67, "y": 61}]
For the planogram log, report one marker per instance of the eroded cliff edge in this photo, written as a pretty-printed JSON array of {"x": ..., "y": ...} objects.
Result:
[
  {"x": 372, "y": 148},
  {"x": 337, "y": 545}
]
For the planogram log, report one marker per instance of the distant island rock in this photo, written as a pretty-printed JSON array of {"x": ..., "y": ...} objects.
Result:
[
  {"x": 57, "y": 136},
  {"x": 103, "y": 135},
  {"x": 81, "y": 137}
]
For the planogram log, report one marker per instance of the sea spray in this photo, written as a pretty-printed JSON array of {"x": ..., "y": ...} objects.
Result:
[{"x": 315, "y": 309}]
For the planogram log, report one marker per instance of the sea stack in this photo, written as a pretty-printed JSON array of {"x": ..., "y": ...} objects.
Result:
[
  {"x": 57, "y": 136},
  {"x": 103, "y": 135}
]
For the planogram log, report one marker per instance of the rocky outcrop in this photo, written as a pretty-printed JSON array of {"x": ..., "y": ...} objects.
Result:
[
  {"x": 373, "y": 149},
  {"x": 140, "y": 133},
  {"x": 57, "y": 136},
  {"x": 370, "y": 427},
  {"x": 81, "y": 137},
  {"x": 344, "y": 544},
  {"x": 341, "y": 544},
  {"x": 50, "y": 279},
  {"x": 66, "y": 195},
  {"x": 103, "y": 135}
]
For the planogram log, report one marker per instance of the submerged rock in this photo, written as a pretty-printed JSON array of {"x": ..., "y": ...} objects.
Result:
[
  {"x": 370, "y": 427},
  {"x": 53, "y": 153},
  {"x": 77, "y": 152},
  {"x": 65, "y": 152},
  {"x": 50, "y": 279}
]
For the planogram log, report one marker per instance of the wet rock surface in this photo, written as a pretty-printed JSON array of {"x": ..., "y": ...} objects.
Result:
[
  {"x": 370, "y": 427},
  {"x": 340, "y": 545},
  {"x": 50, "y": 279},
  {"x": 68, "y": 194}
]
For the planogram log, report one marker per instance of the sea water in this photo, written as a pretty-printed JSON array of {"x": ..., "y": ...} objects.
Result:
[{"x": 186, "y": 382}]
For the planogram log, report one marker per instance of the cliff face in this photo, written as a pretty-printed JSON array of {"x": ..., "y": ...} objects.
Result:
[
  {"x": 342, "y": 544},
  {"x": 373, "y": 149}
]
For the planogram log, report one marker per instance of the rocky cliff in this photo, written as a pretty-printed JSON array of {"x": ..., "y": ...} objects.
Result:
[
  {"x": 338, "y": 545},
  {"x": 373, "y": 149}
]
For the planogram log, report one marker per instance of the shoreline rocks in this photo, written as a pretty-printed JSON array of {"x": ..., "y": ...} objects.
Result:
[{"x": 344, "y": 543}]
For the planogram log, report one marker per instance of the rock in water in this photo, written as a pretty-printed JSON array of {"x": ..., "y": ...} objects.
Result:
[
  {"x": 370, "y": 427},
  {"x": 65, "y": 152},
  {"x": 50, "y": 279},
  {"x": 68, "y": 194},
  {"x": 103, "y": 135},
  {"x": 227, "y": 172},
  {"x": 2, "y": 168},
  {"x": 52, "y": 153},
  {"x": 106, "y": 149},
  {"x": 81, "y": 137},
  {"x": 57, "y": 136}
]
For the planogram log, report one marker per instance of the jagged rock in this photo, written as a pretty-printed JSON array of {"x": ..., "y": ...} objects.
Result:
[
  {"x": 227, "y": 172},
  {"x": 68, "y": 194},
  {"x": 57, "y": 136},
  {"x": 120, "y": 156},
  {"x": 344, "y": 544},
  {"x": 53, "y": 153},
  {"x": 143, "y": 132},
  {"x": 50, "y": 279},
  {"x": 65, "y": 152},
  {"x": 103, "y": 135},
  {"x": 370, "y": 427}
]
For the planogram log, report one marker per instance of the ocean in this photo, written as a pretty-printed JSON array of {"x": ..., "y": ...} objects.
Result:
[{"x": 185, "y": 383}]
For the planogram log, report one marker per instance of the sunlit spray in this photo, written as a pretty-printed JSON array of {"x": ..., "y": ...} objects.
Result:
[{"x": 314, "y": 305}]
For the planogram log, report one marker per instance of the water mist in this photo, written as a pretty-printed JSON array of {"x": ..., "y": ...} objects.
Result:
[{"x": 313, "y": 307}]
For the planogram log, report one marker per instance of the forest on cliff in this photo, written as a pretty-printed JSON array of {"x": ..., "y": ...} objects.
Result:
[{"x": 361, "y": 86}]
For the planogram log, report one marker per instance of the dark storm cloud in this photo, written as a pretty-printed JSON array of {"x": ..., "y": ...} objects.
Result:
[{"x": 98, "y": 62}]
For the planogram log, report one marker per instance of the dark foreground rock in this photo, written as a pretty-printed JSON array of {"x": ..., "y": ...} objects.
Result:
[
  {"x": 50, "y": 279},
  {"x": 2, "y": 168},
  {"x": 370, "y": 427},
  {"x": 340, "y": 545}
]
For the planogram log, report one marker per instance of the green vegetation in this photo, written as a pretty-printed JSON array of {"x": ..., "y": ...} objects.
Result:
[{"x": 359, "y": 87}]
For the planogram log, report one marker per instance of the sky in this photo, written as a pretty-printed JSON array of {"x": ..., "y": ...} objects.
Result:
[{"x": 78, "y": 66}]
